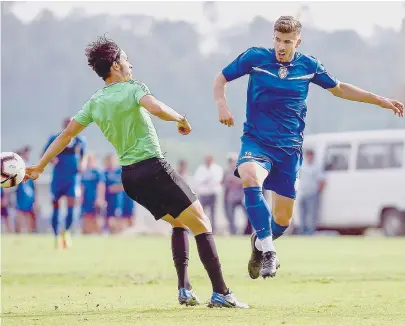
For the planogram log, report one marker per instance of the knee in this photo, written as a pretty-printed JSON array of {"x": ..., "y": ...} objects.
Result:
[
  {"x": 55, "y": 204},
  {"x": 71, "y": 201},
  {"x": 249, "y": 175},
  {"x": 283, "y": 216},
  {"x": 250, "y": 179},
  {"x": 202, "y": 225},
  {"x": 195, "y": 219}
]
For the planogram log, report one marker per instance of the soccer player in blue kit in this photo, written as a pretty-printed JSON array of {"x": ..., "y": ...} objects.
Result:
[
  {"x": 93, "y": 192},
  {"x": 26, "y": 204},
  {"x": 271, "y": 151},
  {"x": 128, "y": 211},
  {"x": 66, "y": 183},
  {"x": 113, "y": 193}
]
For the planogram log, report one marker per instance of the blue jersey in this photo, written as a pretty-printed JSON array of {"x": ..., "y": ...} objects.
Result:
[
  {"x": 25, "y": 196},
  {"x": 112, "y": 177},
  {"x": 90, "y": 180},
  {"x": 69, "y": 159},
  {"x": 276, "y": 94}
]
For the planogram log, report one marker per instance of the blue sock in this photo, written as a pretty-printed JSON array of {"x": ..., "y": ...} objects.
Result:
[
  {"x": 278, "y": 230},
  {"x": 55, "y": 220},
  {"x": 258, "y": 211},
  {"x": 69, "y": 218}
]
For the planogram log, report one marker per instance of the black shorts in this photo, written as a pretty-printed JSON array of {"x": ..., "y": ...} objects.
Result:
[{"x": 155, "y": 185}]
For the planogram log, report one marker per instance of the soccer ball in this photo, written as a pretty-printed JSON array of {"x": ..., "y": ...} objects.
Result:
[{"x": 12, "y": 169}]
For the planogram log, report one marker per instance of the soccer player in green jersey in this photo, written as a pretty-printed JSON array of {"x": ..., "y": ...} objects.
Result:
[{"x": 121, "y": 110}]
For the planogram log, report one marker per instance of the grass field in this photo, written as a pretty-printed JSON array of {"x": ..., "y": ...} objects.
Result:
[{"x": 131, "y": 281}]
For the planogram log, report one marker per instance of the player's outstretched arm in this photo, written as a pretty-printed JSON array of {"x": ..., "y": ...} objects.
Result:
[
  {"x": 166, "y": 113},
  {"x": 354, "y": 93},
  {"x": 57, "y": 146},
  {"x": 224, "y": 113}
]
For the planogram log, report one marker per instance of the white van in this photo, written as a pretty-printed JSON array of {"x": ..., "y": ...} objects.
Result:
[{"x": 365, "y": 181}]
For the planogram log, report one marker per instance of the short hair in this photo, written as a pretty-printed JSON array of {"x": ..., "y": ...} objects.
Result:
[
  {"x": 287, "y": 24},
  {"x": 101, "y": 55}
]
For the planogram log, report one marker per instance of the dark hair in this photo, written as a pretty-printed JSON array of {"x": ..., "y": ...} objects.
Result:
[
  {"x": 287, "y": 24},
  {"x": 101, "y": 54}
]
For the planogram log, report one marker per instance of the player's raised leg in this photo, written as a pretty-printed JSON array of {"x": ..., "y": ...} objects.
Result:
[{"x": 253, "y": 175}]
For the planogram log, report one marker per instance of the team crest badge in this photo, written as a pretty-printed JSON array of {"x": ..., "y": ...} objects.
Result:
[{"x": 282, "y": 72}]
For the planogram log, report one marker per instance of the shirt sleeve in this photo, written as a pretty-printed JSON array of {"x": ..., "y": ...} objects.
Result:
[
  {"x": 241, "y": 66},
  {"x": 322, "y": 78},
  {"x": 140, "y": 91},
  {"x": 84, "y": 115}
]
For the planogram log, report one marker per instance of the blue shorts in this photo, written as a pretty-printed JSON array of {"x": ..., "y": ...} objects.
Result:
[
  {"x": 128, "y": 207},
  {"x": 25, "y": 205},
  {"x": 113, "y": 208},
  {"x": 68, "y": 187},
  {"x": 283, "y": 168},
  {"x": 90, "y": 210}
]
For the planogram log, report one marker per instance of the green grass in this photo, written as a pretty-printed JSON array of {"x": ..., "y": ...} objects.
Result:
[{"x": 131, "y": 281}]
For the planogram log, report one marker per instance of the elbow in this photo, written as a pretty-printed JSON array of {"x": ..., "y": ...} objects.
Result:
[{"x": 338, "y": 90}]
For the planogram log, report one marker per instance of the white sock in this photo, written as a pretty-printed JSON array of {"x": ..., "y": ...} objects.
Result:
[
  {"x": 258, "y": 244},
  {"x": 267, "y": 244}
]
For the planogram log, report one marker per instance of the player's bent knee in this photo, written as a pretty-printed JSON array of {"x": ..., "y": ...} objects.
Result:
[
  {"x": 283, "y": 216},
  {"x": 250, "y": 179},
  {"x": 251, "y": 174},
  {"x": 195, "y": 219}
]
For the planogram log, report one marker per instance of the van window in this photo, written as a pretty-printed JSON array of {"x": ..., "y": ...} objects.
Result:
[
  {"x": 379, "y": 156},
  {"x": 337, "y": 157}
]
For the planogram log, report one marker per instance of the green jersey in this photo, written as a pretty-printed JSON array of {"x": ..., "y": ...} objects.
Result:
[{"x": 123, "y": 121}]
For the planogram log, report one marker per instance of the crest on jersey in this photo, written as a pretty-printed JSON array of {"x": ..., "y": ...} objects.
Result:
[{"x": 282, "y": 72}]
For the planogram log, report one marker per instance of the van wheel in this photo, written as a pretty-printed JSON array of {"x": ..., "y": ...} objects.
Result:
[
  {"x": 392, "y": 223},
  {"x": 358, "y": 232}
]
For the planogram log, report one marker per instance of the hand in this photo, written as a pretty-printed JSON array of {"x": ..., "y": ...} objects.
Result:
[
  {"x": 395, "y": 106},
  {"x": 184, "y": 127},
  {"x": 33, "y": 172},
  {"x": 100, "y": 203},
  {"x": 225, "y": 116}
]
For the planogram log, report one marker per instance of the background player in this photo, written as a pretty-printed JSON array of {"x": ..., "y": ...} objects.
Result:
[
  {"x": 65, "y": 183},
  {"x": 93, "y": 192},
  {"x": 5, "y": 217},
  {"x": 113, "y": 193},
  {"x": 271, "y": 152},
  {"x": 26, "y": 205},
  {"x": 119, "y": 110},
  {"x": 128, "y": 212}
]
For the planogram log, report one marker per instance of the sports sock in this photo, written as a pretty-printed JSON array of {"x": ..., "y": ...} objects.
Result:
[
  {"x": 180, "y": 251},
  {"x": 209, "y": 257},
  {"x": 69, "y": 218},
  {"x": 258, "y": 211},
  {"x": 277, "y": 229},
  {"x": 55, "y": 219}
]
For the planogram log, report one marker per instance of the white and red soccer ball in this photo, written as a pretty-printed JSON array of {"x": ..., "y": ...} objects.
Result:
[{"x": 12, "y": 169}]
